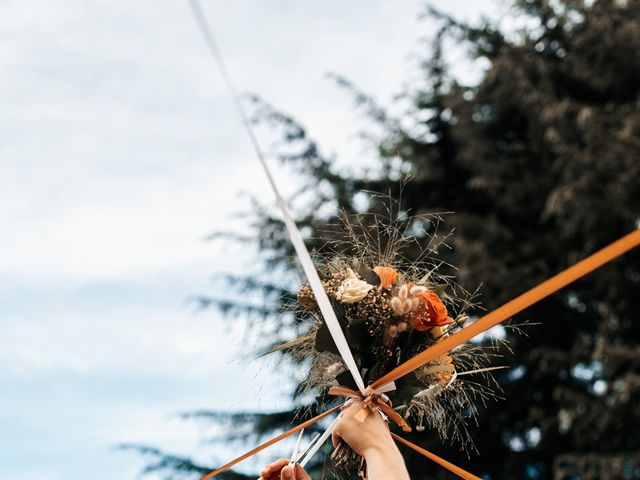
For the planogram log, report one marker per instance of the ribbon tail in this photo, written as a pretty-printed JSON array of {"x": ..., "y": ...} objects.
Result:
[
  {"x": 259, "y": 448},
  {"x": 509, "y": 309},
  {"x": 440, "y": 461},
  {"x": 344, "y": 392},
  {"x": 394, "y": 416}
]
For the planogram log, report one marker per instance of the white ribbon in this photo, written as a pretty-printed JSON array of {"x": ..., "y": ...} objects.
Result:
[
  {"x": 319, "y": 442},
  {"x": 295, "y": 236},
  {"x": 316, "y": 286}
]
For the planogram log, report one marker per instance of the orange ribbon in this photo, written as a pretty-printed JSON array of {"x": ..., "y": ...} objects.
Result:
[
  {"x": 259, "y": 448},
  {"x": 440, "y": 461},
  {"x": 515, "y": 306},
  {"x": 497, "y": 316},
  {"x": 372, "y": 402}
]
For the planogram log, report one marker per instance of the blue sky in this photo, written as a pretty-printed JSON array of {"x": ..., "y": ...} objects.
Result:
[{"x": 119, "y": 152}]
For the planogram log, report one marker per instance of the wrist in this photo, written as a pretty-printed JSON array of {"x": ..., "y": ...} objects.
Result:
[
  {"x": 380, "y": 447},
  {"x": 385, "y": 461}
]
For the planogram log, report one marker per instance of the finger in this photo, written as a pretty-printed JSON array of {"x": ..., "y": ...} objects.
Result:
[
  {"x": 273, "y": 467},
  {"x": 277, "y": 465}
]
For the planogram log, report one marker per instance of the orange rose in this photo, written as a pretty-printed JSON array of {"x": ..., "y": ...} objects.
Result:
[
  {"x": 387, "y": 276},
  {"x": 430, "y": 313}
]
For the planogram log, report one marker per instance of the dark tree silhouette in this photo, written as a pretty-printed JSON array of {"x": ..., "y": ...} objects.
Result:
[{"x": 540, "y": 165}]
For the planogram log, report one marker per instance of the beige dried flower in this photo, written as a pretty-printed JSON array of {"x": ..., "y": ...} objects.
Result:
[{"x": 352, "y": 290}]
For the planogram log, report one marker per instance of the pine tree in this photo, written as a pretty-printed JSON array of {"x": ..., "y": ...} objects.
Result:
[{"x": 540, "y": 165}]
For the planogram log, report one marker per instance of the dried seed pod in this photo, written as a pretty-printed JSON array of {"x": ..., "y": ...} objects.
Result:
[
  {"x": 462, "y": 319},
  {"x": 417, "y": 290},
  {"x": 403, "y": 292},
  {"x": 306, "y": 299},
  {"x": 407, "y": 306},
  {"x": 396, "y": 305}
]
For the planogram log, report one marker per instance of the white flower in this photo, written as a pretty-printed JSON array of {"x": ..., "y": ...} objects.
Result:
[
  {"x": 334, "y": 368},
  {"x": 352, "y": 290}
]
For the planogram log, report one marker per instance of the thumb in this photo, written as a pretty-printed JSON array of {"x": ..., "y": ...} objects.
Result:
[
  {"x": 335, "y": 439},
  {"x": 287, "y": 473},
  {"x": 335, "y": 435}
]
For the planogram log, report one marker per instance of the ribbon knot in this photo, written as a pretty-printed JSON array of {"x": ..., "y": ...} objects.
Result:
[{"x": 372, "y": 401}]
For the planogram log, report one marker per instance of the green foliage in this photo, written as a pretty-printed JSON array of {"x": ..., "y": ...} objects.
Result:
[{"x": 540, "y": 163}]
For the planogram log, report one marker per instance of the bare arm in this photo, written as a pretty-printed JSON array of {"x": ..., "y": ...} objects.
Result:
[
  {"x": 386, "y": 463},
  {"x": 370, "y": 439}
]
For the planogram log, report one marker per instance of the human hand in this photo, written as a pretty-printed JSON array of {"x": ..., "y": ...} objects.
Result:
[
  {"x": 362, "y": 436},
  {"x": 280, "y": 470},
  {"x": 372, "y": 440}
]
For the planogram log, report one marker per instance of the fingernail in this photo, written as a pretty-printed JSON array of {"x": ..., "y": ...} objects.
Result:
[{"x": 287, "y": 472}]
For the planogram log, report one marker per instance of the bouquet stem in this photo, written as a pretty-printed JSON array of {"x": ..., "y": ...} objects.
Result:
[{"x": 344, "y": 457}]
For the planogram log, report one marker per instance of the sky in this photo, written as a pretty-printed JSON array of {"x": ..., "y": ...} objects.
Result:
[{"x": 119, "y": 152}]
